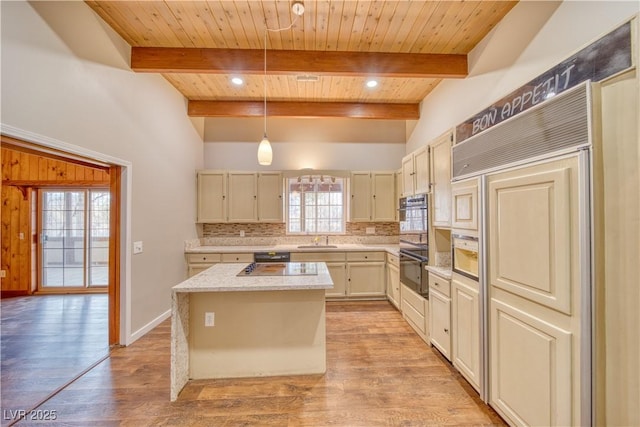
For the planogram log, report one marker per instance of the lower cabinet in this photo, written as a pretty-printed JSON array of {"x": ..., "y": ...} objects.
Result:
[
  {"x": 415, "y": 310},
  {"x": 393, "y": 280},
  {"x": 465, "y": 316},
  {"x": 440, "y": 314},
  {"x": 197, "y": 263},
  {"x": 355, "y": 275},
  {"x": 336, "y": 263},
  {"x": 338, "y": 272}
]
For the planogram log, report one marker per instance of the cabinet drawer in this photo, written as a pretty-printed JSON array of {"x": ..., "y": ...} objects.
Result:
[
  {"x": 317, "y": 256},
  {"x": 414, "y": 300},
  {"x": 439, "y": 284},
  {"x": 393, "y": 259},
  {"x": 412, "y": 314},
  {"x": 231, "y": 257},
  {"x": 202, "y": 258},
  {"x": 365, "y": 256}
]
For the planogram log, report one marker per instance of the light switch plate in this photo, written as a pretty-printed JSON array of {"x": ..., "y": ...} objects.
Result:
[
  {"x": 137, "y": 247},
  {"x": 371, "y": 230}
]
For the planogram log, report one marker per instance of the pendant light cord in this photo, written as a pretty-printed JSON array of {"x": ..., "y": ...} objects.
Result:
[
  {"x": 264, "y": 78},
  {"x": 264, "y": 81}
]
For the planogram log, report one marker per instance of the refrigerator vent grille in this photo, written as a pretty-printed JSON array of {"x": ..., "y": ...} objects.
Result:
[{"x": 555, "y": 125}]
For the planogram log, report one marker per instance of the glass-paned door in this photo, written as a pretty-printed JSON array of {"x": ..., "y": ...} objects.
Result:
[{"x": 74, "y": 239}]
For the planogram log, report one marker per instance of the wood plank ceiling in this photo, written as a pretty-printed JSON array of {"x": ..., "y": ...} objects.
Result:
[{"x": 317, "y": 66}]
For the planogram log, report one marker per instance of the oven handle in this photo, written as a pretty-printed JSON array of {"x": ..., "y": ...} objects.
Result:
[{"x": 413, "y": 257}]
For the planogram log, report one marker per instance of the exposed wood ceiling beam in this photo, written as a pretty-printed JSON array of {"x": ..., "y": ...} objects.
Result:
[
  {"x": 304, "y": 109},
  {"x": 221, "y": 61}
]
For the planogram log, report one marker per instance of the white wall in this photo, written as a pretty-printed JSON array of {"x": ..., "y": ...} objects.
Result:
[
  {"x": 532, "y": 38},
  {"x": 65, "y": 76},
  {"x": 349, "y": 144}
]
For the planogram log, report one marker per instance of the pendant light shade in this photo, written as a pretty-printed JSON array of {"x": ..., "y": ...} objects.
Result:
[{"x": 265, "y": 155}]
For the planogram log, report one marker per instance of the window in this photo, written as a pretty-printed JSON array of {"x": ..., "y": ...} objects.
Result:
[
  {"x": 316, "y": 204},
  {"x": 75, "y": 238}
]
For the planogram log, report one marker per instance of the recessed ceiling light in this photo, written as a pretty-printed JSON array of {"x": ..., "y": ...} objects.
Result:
[
  {"x": 372, "y": 83},
  {"x": 237, "y": 81}
]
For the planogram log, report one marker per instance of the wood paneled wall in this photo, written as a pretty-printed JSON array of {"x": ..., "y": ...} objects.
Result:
[{"x": 24, "y": 170}]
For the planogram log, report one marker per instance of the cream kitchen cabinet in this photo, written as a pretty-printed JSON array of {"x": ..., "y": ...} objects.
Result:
[
  {"x": 440, "y": 314},
  {"x": 270, "y": 191},
  {"x": 464, "y": 199},
  {"x": 200, "y": 262},
  {"x": 441, "y": 186},
  {"x": 398, "y": 188},
  {"x": 360, "y": 196},
  {"x": 393, "y": 279},
  {"x": 237, "y": 257},
  {"x": 357, "y": 275},
  {"x": 535, "y": 288},
  {"x": 415, "y": 172},
  {"x": 212, "y": 196},
  {"x": 243, "y": 197},
  {"x": 337, "y": 265},
  {"x": 415, "y": 310},
  {"x": 239, "y": 196},
  {"x": 373, "y": 196},
  {"x": 465, "y": 316},
  {"x": 365, "y": 274}
]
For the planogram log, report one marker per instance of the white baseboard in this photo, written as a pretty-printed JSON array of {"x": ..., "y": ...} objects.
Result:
[{"x": 148, "y": 327}]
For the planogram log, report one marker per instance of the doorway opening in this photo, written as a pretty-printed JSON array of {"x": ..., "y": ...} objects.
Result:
[
  {"x": 73, "y": 240},
  {"x": 60, "y": 259},
  {"x": 61, "y": 223}
]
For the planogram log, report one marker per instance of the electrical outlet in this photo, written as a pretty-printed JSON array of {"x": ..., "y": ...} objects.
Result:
[
  {"x": 137, "y": 247},
  {"x": 241, "y": 233},
  {"x": 209, "y": 319},
  {"x": 371, "y": 230},
  {"x": 3, "y": 274},
  {"x": 21, "y": 236}
]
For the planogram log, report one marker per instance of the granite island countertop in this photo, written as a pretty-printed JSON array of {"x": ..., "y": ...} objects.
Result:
[{"x": 223, "y": 278}]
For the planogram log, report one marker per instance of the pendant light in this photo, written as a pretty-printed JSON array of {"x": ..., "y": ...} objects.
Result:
[{"x": 265, "y": 154}]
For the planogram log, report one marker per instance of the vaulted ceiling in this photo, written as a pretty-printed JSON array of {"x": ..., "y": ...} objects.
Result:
[{"x": 317, "y": 63}]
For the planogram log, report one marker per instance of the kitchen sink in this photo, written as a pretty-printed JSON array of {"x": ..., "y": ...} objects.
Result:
[{"x": 317, "y": 247}]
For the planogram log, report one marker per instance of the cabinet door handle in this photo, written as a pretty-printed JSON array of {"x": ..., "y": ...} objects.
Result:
[{"x": 446, "y": 330}]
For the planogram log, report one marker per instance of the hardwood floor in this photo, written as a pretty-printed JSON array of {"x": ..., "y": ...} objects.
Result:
[
  {"x": 379, "y": 373},
  {"x": 46, "y": 342}
]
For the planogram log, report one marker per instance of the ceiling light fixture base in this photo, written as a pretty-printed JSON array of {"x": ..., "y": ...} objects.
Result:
[{"x": 297, "y": 8}]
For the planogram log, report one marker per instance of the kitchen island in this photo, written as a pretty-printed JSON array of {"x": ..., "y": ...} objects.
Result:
[{"x": 262, "y": 325}]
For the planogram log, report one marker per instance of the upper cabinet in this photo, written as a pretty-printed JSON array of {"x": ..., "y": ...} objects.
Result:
[
  {"x": 270, "y": 190},
  {"x": 243, "y": 197},
  {"x": 464, "y": 204},
  {"x": 239, "y": 197},
  {"x": 212, "y": 196},
  {"x": 441, "y": 186},
  {"x": 415, "y": 172},
  {"x": 373, "y": 196}
]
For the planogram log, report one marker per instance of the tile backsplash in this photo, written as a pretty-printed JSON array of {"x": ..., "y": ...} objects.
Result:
[{"x": 226, "y": 234}]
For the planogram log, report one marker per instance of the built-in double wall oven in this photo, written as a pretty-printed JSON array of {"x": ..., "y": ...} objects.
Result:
[{"x": 414, "y": 243}]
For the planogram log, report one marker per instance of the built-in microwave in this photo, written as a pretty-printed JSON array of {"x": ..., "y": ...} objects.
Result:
[{"x": 464, "y": 255}]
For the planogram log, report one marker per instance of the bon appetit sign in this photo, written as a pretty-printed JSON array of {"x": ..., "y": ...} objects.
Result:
[{"x": 603, "y": 58}]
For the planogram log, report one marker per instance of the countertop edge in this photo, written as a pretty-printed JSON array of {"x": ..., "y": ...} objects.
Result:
[
  {"x": 390, "y": 248},
  {"x": 443, "y": 272}
]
